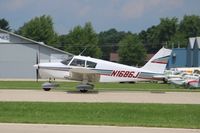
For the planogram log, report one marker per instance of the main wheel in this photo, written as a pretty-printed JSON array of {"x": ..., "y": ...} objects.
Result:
[
  {"x": 46, "y": 89},
  {"x": 83, "y": 91},
  {"x": 165, "y": 81},
  {"x": 84, "y": 87}
]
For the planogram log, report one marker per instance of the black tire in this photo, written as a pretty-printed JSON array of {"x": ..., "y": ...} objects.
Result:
[
  {"x": 83, "y": 91},
  {"x": 165, "y": 81},
  {"x": 46, "y": 89},
  {"x": 187, "y": 85}
]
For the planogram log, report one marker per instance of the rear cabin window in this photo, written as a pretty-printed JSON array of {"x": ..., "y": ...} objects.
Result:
[
  {"x": 91, "y": 64},
  {"x": 78, "y": 62}
]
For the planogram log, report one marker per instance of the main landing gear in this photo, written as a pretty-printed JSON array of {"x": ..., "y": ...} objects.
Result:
[{"x": 84, "y": 87}]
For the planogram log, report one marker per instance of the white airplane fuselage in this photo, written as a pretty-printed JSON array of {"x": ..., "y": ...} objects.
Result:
[
  {"x": 108, "y": 71},
  {"x": 82, "y": 68}
]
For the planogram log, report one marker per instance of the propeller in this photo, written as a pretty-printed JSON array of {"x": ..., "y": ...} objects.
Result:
[{"x": 37, "y": 67}]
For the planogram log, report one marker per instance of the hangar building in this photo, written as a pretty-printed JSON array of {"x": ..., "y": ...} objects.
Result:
[
  {"x": 18, "y": 55},
  {"x": 186, "y": 57}
]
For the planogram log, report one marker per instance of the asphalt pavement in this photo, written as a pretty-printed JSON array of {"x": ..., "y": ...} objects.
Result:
[
  {"x": 51, "y": 128},
  {"x": 120, "y": 96}
]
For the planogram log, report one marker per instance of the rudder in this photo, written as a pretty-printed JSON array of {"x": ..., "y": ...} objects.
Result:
[{"x": 159, "y": 61}]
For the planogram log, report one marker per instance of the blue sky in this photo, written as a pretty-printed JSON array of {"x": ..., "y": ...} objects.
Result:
[{"x": 124, "y": 15}]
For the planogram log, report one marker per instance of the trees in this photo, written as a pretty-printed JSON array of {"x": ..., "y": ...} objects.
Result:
[
  {"x": 178, "y": 40},
  {"x": 108, "y": 41},
  {"x": 167, "y": 29},
  {"x": 157, "y": 36},
  {"x": 80, "y": 38},
  {"x": 150, "y": 39},
  {"x": 131, "y": 51},
  {"x": 39, "y": 29},
  {"x": 4, "y": 24},
  {"x": 169, "y": 32},
  {"x": 190, "y": 26}
]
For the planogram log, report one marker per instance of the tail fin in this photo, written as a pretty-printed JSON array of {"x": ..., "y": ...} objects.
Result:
[{"x": 159, "y": 61}]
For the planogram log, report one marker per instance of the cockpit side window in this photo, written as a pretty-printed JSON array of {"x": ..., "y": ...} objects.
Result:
[
  {"x": 91, "y": 64},
  {"x": 66, "y": 61},
  {"x": 78, "y": 62}
]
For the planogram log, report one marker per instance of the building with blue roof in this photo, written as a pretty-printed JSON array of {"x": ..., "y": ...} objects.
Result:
[{"x": 186, "y": 57}]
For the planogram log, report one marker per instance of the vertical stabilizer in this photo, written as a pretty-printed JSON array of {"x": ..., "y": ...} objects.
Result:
[{"x": 159, "y": 61}]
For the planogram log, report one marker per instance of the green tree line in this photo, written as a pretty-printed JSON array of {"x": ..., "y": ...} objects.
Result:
[{"x": 131, "y": 47}]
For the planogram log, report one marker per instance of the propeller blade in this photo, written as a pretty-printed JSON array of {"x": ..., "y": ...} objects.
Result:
[
  {"x": 37, "y": 69},
  {"x": 37, "y": 74}
]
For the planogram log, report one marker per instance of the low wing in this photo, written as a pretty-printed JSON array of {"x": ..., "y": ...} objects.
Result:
[
  {"x": 84, "y": 74},
  {"x": 83, "y": 70}
]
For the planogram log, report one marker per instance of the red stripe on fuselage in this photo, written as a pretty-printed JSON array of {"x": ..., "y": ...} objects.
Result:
[{"x": 159, "y": 62}]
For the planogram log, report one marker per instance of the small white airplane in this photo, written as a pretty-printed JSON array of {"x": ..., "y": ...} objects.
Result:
[
  {"x": 87, "y": 70},
  {"x": 187, "y": 76},
  {"x": 194, "y": 83},
  {"x": 187, "y": 70}
]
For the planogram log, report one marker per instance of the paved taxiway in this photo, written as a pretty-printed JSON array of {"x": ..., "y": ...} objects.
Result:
[
  {"x": 44, "y": 128},
  {"x": 123, "y": 97}
]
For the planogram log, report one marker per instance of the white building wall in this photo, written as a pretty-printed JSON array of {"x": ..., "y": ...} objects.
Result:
[
  {"x": 16, "y": 61},
  {"x": 18, "y": 55}
]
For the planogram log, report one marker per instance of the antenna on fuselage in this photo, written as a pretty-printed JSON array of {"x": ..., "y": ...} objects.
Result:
[{"x": 83, "y": 51}]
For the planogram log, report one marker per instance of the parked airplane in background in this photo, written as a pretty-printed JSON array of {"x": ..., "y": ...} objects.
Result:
[
  {"x": 187, "y": 70},
  {"x": 187, "y": 76},
  {"x": 88, "y": 70}
]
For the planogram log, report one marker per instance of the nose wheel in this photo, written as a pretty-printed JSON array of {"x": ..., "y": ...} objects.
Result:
[{"x": 47, "y": 86}]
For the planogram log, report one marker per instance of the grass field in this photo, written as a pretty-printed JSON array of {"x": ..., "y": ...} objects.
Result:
[
  {"x": 98, "y": 86},
  {"x": 120, "y": 114},
  {"x": 150, "y": 115}
]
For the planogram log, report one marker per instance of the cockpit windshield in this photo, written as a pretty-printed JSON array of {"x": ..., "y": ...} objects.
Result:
[
  {"x": 78, "y": 62},
  {"x": 66, "y": 61}
]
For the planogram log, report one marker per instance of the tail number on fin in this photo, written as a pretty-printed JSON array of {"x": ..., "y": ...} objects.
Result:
[{"x": 125, "y": 74}]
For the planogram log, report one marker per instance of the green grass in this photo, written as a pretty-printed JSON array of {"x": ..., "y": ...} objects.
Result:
[
  {"x": 20, "y": 85},
  {"x": 98, "y": 86},
  {"x": 120, "y": 114}
]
